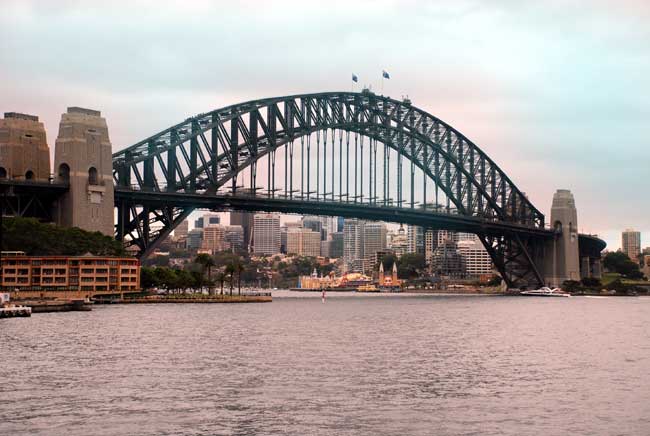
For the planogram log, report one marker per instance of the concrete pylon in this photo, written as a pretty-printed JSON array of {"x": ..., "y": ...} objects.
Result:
[
  {"x": 562, "y": 258},
  {"x": 24, "y": 154},
  {"x": 83, "y": 159}
]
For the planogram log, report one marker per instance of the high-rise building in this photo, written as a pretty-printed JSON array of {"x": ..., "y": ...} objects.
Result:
[
  {"x": 399, "y": 242},
  {"x": 353, "y": 245},
  {"x": 430, "y": 245},
  {"x": 314, "y": 223},
  {"x": 24, "y": 154},
  {"x": 447, "y": 261},
  {"x": 303, "y": 242},
  {"x": 476, "y": 259},
  {"x": 234, "y": 236},
  {"x": 336, "y": 245},
  {"x": 374, "y": 240},
  {"x": 340, "y": 222},
  {"x": 266, "y": 233},
  {"x": 632, "y": 244},
  {"x": 180, "y": 232},
  {"x": 194, "y": 239},
  {"x": 247, "y": 221},
  {"x": 213, "y": 239},
  {"x": 415, "y": 239}
]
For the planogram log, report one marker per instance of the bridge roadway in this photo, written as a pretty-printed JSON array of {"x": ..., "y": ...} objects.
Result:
[{"x": 302, "y": 206}]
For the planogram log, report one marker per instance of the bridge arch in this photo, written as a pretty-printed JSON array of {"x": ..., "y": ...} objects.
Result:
[{"x": 207, "y": 156}]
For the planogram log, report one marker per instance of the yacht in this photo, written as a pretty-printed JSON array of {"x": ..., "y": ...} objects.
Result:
[{"x": 545, "y": 292}]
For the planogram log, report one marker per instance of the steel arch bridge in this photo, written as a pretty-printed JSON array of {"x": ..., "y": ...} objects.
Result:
[{"x": 336, "y": 153}]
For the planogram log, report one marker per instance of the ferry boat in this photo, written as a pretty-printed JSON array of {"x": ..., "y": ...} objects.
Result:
[
  {"x": 545, "y": 292},
  {"x": 367, "y": 288},
  {"x": 12, "y": 311}
]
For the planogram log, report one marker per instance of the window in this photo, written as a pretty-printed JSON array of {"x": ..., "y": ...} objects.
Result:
[
  {"x": 92, "y": 176},
  {"x": 64, "y": 173},
  {"x": 29, "y": 175},
  {"x": 3, "y": 173},
  {"x": 87, "y": 271}
]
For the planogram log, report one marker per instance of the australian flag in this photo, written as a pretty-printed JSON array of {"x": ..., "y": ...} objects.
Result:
[
  {"x": 355, "y": 78},
  {"x": 385, "y": 74}
]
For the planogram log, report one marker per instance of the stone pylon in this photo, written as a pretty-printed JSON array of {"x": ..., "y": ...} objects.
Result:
[
  {"x": 24, "y": 154},
  {"x": 83, "y": 159},
  {"x": 562, "y": 254}
]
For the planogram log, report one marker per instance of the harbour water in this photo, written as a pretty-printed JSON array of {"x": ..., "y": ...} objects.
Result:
[{"x": 354, "y": 365}]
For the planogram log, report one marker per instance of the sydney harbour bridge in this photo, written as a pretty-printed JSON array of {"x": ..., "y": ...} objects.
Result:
[{"x": 345, "y": 154}]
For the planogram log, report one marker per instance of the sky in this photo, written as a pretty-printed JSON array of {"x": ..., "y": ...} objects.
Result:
[{"x": 556, "y": 92}]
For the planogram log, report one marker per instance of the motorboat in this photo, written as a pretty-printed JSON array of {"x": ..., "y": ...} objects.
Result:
[{"x": 545, "y": 292}]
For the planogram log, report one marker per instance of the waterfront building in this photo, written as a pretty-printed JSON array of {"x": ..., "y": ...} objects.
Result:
[
  {"x": 476, "y": 259},
  {"x": 24, "y": 153},
  {"x": 631, "y": 244},
  {"x": 266, "y": 233},
  {"x": 303, "y": 242},
  {"x": 44, "y": 275},
  {"x": 374, "y": 240}
]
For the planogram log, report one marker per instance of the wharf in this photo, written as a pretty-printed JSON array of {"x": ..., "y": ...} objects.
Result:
[
  {"x": 262, "y": 298},
  {"x": 48, "y": 306}
]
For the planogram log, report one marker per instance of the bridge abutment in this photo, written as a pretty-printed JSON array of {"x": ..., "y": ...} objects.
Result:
[{"x": 83, "y": 159}]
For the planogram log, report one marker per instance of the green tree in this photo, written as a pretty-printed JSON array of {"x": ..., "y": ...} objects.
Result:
[
  {"x": 239, "y": 268},
  {"x": 410, "y": 265},
  {"x": 230, "y": 271},
  {"x": 207, "y": 262},
  {"x": 619, "y": 262}
]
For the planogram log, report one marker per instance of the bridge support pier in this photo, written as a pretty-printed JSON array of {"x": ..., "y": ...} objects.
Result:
[
  {"x": 562, "y": 258},
  {"x": 83, "y": 160}
]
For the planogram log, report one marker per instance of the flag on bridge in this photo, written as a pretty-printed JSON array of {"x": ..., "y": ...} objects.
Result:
[
  {"x": 385, "y": 74},
  {"x": 355, "y": 78}
]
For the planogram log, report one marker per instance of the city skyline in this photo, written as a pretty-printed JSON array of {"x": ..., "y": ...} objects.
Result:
[{"x": 535, "y": 103}]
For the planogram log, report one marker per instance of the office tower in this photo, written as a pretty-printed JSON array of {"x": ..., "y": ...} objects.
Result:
[
  {"x": 415, "y": 239},
  {"x": 194, "y": 239},
  {"x": 631, "y": 244},
  {"x": 266, "y": 228},
  {"x": 247, "y": 222},
  {"x": 303, "y": 242},
  {"x": 234, "y": 236},
  {"x": 180, "y": 232},
  {"x": 476, "y": 259}
]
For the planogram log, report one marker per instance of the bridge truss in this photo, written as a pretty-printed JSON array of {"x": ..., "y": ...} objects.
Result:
[{"x": 340, "y": 154}]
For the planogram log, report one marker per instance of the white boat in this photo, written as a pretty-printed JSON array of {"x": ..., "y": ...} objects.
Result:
[{"x": 545, "y": 292}]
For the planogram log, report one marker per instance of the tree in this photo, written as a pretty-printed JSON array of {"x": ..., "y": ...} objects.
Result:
[
  {"x": 221, "y": 277},
  {"x": 410, "y": 265},
  {"x": 39, "y": 239},
  {"x": 619, "y": 262},
  {"x": 207, "y": 262},
  {"x": 230, "y": 271},
  {"x": 238, "y": 269}
]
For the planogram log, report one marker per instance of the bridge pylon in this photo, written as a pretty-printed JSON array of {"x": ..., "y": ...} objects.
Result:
[
  {"x": 562, "y": 259},
  {"x": 83, "y": 159}
]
